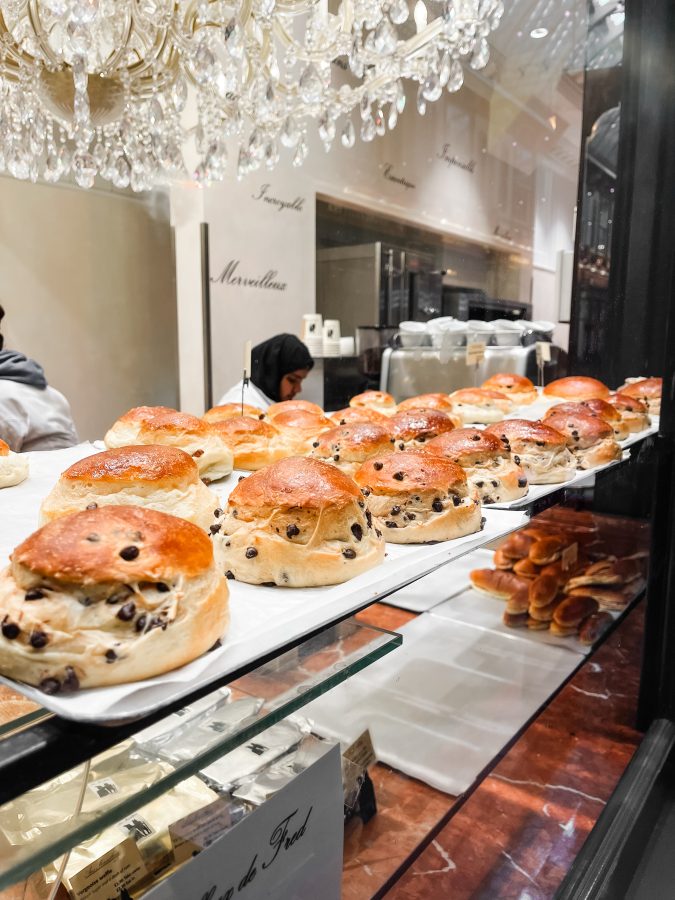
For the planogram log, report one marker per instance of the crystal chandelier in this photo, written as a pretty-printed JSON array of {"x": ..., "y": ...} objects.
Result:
[{"x": 119, "y": 88}]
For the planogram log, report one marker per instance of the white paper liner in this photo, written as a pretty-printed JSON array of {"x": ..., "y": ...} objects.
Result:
[
  {"x": 445, "y": 703},
  {"x": 262, "y": 619}
]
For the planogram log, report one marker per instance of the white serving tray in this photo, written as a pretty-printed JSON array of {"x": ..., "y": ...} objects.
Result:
[
  {"x": 430, "y": 590},
  {"x": 445, "y": 703},
  {"x": 261, "y": 619}
]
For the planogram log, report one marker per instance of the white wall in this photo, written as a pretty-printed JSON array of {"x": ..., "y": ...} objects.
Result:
[{"x": 87, "y": 286}]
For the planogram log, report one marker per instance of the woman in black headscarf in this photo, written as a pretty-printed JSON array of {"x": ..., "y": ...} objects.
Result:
[{"x": 278, "y": 368}]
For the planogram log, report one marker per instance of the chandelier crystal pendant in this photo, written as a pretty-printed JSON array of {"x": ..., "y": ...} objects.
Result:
[{"x": 118, "y": 88}]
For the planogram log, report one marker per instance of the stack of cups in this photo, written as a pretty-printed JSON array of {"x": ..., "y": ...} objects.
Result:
[
  {"x": 331, "y": 337},
  {"x": 311, "y": 334}
]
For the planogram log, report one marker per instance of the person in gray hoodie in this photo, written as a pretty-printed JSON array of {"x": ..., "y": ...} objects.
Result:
[{"x": 33, "y": 415}]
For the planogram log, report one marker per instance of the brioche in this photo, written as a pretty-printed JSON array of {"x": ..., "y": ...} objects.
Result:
[
  {"x": 517, "y": 545},
  {"x": 648, "y": 390},
  {"x": 542, "y": 591},
  {"x": 632, "y": 411},
  {"x": 489, "y": 467},
  {"x": 284, "y": 406},
  {"x": 538, "y": 448},
  {"x": 353, "y": 414},
  {"x": 480, "y": 406},
  {"x": 515, "y": 621},
  {"x": 590, "y": 439},
  {"x": 517, "y": 602},
  {"x": 108, "y": 596},
  {"x": 161, "y": 425},
  {"x": 498, "y": 583},
  {"x": 517, "y": 388},
  {"x": 254, "y": 443},
  {"x": 573, "y": 610},
  {"x": 427, "y": 401},
  {"x": 349, "y": 446},
  {"x": 547, "y": 550},
  {"x": 417, "y": 498},
  {"x": 414, "y": 427},
  {"x": 157, "y": 477},
  {"x": 13, "y": 466},
  {"x": 298, "y": 523},
  {"x": 593, "y": 628},
  {"x": 526, "y": 568},
  {"x": 232, "y": 411},
  {"x": 576, "y": 388},
  {"x": 378, "y": 400},
  {"x": 298, "y": 429}
]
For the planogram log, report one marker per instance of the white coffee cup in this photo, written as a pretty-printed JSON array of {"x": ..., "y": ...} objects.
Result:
[
  {"x": 311, "y": 325},
  {"x": 331, "y": 330}
]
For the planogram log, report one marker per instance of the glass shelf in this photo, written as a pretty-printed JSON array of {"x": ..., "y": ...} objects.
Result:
[{"x": 263, "y": 697}]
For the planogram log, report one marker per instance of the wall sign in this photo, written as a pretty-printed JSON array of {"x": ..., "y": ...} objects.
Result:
[
  {"x": 389, "y": 173},
  {"x": 265, "y": 195},
  {"x": 231, "y": 277},
  {"x": 450, "y": 159}
]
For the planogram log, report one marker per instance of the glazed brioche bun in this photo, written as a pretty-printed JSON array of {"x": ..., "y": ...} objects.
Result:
[
  {"x": 576, "y": 388},
  {"x": 285, "y": 406},
  {"x": 156, "y": 477},
  {"x": 538, "y": 448},
  {"x": 412, "y": 428},
  {"x": 348, "y": 446},
  {"x": 298, "y": 523},
  {"x": 254, "y": 443},
  {"x": 299, "y": 428},
  {"x": 13, "y": 466},
  {"x": 417, "y": 497},
  {"x": 632, "y": 411},
  {"x": 517, "y": 388},
  {"x": 441, "y": 402},
  {"x": 648, "y": 390},
  {"x": 353, "y": 414},
  {"x": 108, "y": 596},
  {"x": 232, "y": 411},
  {"x": 589, "y": 438},
  {"x": 161, "y": 425},
  {"x": 489, "y": 467},
  {"x": 379, "y": 400},
  {"x": 601, "y": 409},
  {"x": 480, "y": 406}
]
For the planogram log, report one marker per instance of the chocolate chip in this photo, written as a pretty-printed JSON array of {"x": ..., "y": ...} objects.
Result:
[
  {"x": 86, "y": 601},
  {"x": 488, "y": 500},
  {"x": 261, "y": 416},
  {"x": 140, "y": 622},
  {"x": 229, "y": 575},
  {"x": 93, "y": 538},
  {"x": 162, "y": 587},
  {"x": 119, "y": 596},
  {"x": 456, "y": 501},
  {"x": 576, "y": 437},
  {"x": 421, "y": 439},
  {"x": 362, "y": 504},
  {"x": 395, "y": 510},
  {"x": 129, "y": 553},
  {"x": 285, "y": 578},
  {"x": 38, "y": 639},
  {"x": 378, "y": 532},
  {"x": 504, "y": 438},
  {"x": 315, "y": 444},
  {"x": 336, "y": 457},
  {"x": 391, "y": 524},
  {"x": 516, "y": 460},
  {"x": 342, "y": 422},
  {"x": 50, "y": 685},
  {"x": 240, "y": 479},
  {"x": 34, "y": 594},
  {"x": 437, "y": 505},
  {"x": 156, "y": 622},
  {"x": 251, "y": 552},
  {"x": 410, "y": 516},
  {"x": 348, "y": 553},
  {"x": 495, "y": 483},
  {"x": 197, "y": 454},
  {"x": 369, "y": 518},
  {"x": 292, "y": 531},
  {"x": 127, "y": 612},
  {"x": 476, "y": 437},
  {"x": 482, "y": 523},
  {"x": 401, "y": 446},
  {"x": 377, "y": 466},
  {"x": 365, "y": 492},
  {"x": 228, "y": 543},
  {"x": 480, "y": 484},
  {"x": 399, "y": 476},
  {"x": 110, "y": 656},
  {"x": 522, "y": 482},
  {"x": 357, "y": 531},
  {"x": 218, "y": 511},
  {"x": 10, "y": 630},
  {"x": 71, "y": 682},
  {"x": 575, "y": 433},
  {"x": 91, "y": 506},
  {"x": 214, "y": 529},
  {"x": 539, "y": 443},
  {"x": 392, "y": 440}
]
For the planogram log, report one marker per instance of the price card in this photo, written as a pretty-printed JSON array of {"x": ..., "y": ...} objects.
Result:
[
  {"x": 569, "y": 556},
  {"x": 543, "y": 351},
  {"x": 475, "y": 353},
  {"x": 361, "y": 752}
]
